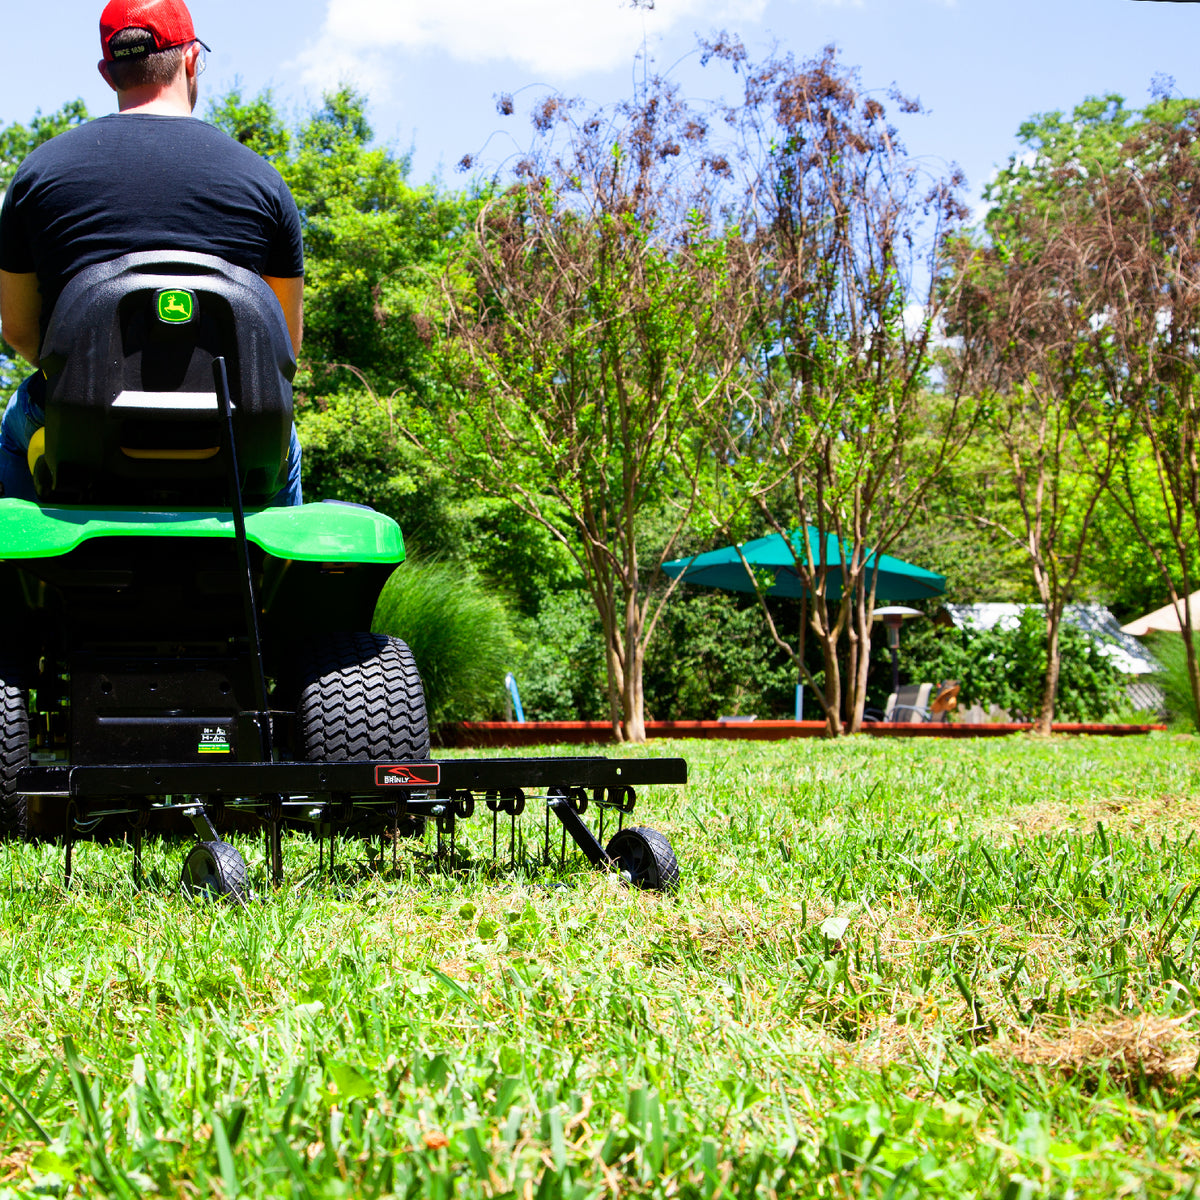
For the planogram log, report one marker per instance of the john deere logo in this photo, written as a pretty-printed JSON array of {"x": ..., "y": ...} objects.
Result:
[{"x": 175, "y": 307}]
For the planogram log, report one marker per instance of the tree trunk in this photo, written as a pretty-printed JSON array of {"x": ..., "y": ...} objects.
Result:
[
  {"x": 633, "y": 700},
  {"x": 1189, "y": 648},
  {"x": 615, "y": 681},
  {"x": 635, "y": 708},
  {"x": 833, "y": 683},
  {"x": 1045, "y": 720},
  {"x": 864, "y": 667}
]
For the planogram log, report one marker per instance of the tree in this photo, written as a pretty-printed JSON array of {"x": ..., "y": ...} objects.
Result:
[
  {"x": 1086, "y": 294},
  {"x": 1149, "y": 231},
  {"x": 842, "y": 427},
  {"x": 595, "y": 314},
  {"x": 1023, "y": 313},
  {"x": 16, "y": 141}
]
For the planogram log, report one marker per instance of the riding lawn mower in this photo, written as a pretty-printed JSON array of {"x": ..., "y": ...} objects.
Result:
[{"x": 181, "y": 651}]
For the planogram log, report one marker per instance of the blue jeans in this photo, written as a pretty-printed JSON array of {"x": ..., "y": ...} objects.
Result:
[{"x": 24, "y": 417}]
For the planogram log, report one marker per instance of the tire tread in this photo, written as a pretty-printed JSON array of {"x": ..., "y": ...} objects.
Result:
[
  {"x": 659, "y": 845},
  {"x": 361, "y": 699},
  {"x": 14, "y": 750}
]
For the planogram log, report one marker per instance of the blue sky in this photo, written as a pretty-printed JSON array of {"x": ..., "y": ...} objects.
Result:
[{"x": 433, "y": 68}]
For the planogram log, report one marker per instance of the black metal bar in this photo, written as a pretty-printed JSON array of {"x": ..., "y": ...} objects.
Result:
[
  {"x": 357, "y": 779},
  {"x": 275, "y": 833},
  {"x": 70, "y": 840},
  {"x": 582, "y": 836},
  {"x": 205, "y": 832},
  {"x": 262, "y": 718}
]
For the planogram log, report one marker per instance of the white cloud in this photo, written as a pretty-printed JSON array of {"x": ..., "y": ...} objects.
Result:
[{"x": 558, "y": 39}]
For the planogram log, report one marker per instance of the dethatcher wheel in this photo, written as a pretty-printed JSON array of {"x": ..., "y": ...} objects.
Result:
[
  {"x": 14, "y": 749},
  {"x": 214, "y": 871},
  {"x": 644, "y": 859},
  {"x": 361, "y": 699}
]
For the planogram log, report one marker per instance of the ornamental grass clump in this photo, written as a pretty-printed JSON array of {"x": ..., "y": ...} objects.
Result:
[{"x": 460, "y": 635}]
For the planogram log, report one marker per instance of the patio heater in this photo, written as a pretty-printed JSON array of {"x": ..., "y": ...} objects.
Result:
[{"x": 893, "y": 616}]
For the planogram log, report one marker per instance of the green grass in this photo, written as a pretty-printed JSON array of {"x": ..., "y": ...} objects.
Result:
[{"x": 893, "y": 969}]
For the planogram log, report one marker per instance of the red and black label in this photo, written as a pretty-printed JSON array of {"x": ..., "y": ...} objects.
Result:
[{"x": 407, "y": 775}]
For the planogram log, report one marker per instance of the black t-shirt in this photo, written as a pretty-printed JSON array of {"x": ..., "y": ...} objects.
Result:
[{"x": 135, "y": 181}]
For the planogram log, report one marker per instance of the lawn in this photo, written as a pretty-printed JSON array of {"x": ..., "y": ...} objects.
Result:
[{"x": 893, "y": 968}]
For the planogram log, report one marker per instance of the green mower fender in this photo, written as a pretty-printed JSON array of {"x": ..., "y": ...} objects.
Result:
[
  {"x": 325, "y": 532},
  {"x": 323, "y": 564}
]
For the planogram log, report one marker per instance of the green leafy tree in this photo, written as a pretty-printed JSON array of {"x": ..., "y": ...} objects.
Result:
[{"x": 16, "y": 141}]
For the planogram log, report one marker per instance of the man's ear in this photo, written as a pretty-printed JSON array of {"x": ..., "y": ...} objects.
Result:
[{"x": 102, "y": 67}]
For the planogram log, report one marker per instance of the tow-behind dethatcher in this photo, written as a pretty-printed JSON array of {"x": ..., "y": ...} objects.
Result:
[{"x": 178, "y": 650}]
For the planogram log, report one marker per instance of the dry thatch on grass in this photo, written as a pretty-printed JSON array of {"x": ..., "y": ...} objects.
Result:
[
  {"x": 1151, "y": 815},
  {"x": 1155, "y": 1049}
]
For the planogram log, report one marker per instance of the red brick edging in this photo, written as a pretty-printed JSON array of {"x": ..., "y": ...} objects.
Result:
[{"x": 539, "y": 733}]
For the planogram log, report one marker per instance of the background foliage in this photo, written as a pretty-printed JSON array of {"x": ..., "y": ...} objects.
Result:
[
  {"x": 1004, "y": 667},
  {"x": 381, "y": 251}
]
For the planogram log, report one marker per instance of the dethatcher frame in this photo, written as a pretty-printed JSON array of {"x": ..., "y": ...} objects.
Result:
[{"x": 367, "y": 799}]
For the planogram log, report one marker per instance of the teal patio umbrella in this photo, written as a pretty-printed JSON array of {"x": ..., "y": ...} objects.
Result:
[{"x": 771, "y": 556}]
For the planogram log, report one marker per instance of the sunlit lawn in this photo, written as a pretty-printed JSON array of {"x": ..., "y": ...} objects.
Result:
[{"x": 893, "y": 968}]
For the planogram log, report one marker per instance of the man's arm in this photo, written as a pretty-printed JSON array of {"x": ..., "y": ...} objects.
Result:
[
  {"x": 290, "y": 294},
  {"x": 20, "y": 308}
]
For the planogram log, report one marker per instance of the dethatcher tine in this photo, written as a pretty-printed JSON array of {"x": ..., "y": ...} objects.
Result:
[{"x": 178, "y": 650}]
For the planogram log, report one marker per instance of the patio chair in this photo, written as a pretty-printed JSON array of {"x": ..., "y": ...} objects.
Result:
[{"x": 910, "y": 705}]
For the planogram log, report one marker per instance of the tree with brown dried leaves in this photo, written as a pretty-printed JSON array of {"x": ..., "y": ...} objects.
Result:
[
  {"x": 597, "y": 315},
  {"x": 843, "y": 428}
]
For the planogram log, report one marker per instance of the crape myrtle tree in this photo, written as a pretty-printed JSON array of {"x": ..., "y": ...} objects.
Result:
[
  {"x": 840, "y": 424},
  {"x": 1084, "y": 307},
  {"x": 1148, "y": 218},
  {"x": 1024, "y": 313},
  {"x": 596, "y": 313}
]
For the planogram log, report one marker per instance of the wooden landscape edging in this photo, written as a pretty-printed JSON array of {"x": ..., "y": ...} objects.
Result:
[{"x": 541, "y": 733}]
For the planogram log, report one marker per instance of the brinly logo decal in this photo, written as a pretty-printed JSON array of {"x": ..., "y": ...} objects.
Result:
[{"x": 402, "y": 775}]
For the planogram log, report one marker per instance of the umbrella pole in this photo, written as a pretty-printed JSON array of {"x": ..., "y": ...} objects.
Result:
[{"x": 799, "y": 665}]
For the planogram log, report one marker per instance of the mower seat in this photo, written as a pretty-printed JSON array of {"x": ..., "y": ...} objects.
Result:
[{"x": 131, "y": 408}]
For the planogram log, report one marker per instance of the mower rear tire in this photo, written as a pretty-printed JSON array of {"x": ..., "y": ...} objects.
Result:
[
  {"x": 215, "y": 871},
  {"x": 360, "y": 700},
  {"x": 644, "y": 859},
  {"x": 14, "y": 750}
]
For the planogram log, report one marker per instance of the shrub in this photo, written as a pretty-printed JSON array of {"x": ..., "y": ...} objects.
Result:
[
  {"x": 712, "y": 655},
  {"x": 459, "y": 632},
  {"x": 561, "y": 672},
  {"x": 1006, "y": 668}
]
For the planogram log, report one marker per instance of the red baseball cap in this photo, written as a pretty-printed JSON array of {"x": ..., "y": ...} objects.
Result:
[{"x": 167, "y": 23}]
